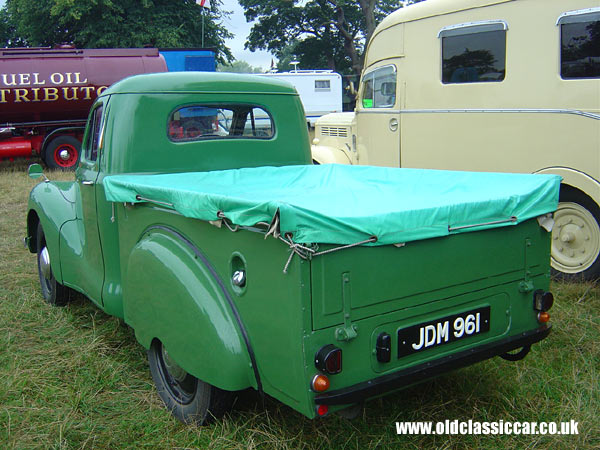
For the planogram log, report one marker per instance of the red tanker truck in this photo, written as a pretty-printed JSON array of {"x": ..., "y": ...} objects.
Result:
[{"x": 46, "y": 94}]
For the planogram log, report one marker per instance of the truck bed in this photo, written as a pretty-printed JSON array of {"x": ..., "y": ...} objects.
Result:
[{"x": 343, "y": 205}]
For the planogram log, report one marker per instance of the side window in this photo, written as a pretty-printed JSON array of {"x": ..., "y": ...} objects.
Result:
[
  {"x": 474, "y": 52},
  {"x": 379, "y": 88},
  {"x": 580, "y": 44},
  {"x": 201, "y": 122},
  {"x": 322, "y": 85},
  {"x": 94, "y": 135}
]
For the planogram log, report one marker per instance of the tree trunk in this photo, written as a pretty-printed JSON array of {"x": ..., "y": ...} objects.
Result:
[
  {"x": 368, "y": 10},
  {"x": 349, "y": 47}
]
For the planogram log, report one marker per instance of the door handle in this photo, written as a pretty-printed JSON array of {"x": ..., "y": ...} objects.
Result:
[
  {"x": 88, "y": 183},
  {"x": 393, "y": 124}
]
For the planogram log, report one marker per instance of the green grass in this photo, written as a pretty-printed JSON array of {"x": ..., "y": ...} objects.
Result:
[{"x": 74, "y": 377}]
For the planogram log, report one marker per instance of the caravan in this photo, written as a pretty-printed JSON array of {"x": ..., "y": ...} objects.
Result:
[{"x": 320, "y": 91}]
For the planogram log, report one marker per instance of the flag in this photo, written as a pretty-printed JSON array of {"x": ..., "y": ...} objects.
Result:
[{"x": 204, "y": 3}]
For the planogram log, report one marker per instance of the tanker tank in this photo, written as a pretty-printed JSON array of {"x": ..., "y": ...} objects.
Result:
[{"x": 46, "y": 95}]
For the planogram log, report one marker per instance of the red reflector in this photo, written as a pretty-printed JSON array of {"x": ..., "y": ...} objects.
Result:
[{"x": 322, "y": 410}]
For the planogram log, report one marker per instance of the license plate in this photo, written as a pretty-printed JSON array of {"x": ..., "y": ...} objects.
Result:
[{"x": 443, "y": 331}]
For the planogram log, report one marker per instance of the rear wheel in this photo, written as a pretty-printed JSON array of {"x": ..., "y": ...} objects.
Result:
[
  {"x": 54, "y": 293},
  {"x": 62, "y": 153},
  {"x": 188, "y": 398},
  {"x": 576, "y": 236}
]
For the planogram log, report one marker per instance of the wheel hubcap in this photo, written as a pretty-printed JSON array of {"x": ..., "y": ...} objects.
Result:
[
  {"x": 45, "y": 264},
  {"x": 64, "y": 155},
  {"x": 174, "y": 370},
  {"x": 575, "y": 238}
]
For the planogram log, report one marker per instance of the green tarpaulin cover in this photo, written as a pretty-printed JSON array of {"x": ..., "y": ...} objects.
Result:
[{"x": 340, "y": 204}]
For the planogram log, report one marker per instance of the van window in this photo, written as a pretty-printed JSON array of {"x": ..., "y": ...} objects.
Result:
[
  {"x": 200, "y": 122},
  {"x": 580, "y": 44},
  {"x": 474, "y": 53},
  {"x": 379, "y": 88}
]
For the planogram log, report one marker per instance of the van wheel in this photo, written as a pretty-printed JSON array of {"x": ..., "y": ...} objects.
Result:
[
  {"x": 62, "y": 153},
  {"x": 54, "y": 293},
  {"x": 188, "y": 398},
  {"x": 576, "y": 237}
]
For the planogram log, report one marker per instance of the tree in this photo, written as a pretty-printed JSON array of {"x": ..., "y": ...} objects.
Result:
[
  {"x": 117, "y": 23},
  {"x": 239, "y": 67},
  {"x": 321, "y": 33}
]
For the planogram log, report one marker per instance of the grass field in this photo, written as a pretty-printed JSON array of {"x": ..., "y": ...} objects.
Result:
[{"x": 74, "y": 378}]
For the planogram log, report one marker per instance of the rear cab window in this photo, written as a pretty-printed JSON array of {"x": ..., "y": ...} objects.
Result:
[{"x": 219, "y": 121}]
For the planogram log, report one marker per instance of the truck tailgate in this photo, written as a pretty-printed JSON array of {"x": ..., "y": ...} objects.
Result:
[{"x": 362, "y": 282}]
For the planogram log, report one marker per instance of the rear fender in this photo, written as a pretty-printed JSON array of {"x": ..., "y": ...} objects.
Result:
[
  {"x": 576, "y": 179},
  {"x": 171, "y": 293}
]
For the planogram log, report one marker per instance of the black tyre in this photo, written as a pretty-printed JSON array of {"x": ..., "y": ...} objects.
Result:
[
  {"x": 62, "y": 152},
  {"x": 576, "y": 237},
  {"x": 53, "y": 292},
  {"x": 188, "y": 398}
]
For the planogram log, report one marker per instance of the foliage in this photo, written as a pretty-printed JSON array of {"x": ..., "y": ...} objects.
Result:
[
  {"x": 319, "y": 33},
  {"x": 116, "y": 23},
  {"x": 239, "y": 67}
]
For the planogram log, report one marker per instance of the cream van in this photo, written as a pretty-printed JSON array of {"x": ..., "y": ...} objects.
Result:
[{"x": 486, "y": 85}]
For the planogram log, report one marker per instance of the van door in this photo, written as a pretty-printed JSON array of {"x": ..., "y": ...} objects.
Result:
[{"x": 378, "y": 118}]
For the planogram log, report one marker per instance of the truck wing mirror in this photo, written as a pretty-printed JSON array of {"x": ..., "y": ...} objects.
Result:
[{"x": 35, "y": 171}]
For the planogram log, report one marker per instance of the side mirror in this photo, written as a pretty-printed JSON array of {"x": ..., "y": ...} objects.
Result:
[{"x": 35, "y": 171}]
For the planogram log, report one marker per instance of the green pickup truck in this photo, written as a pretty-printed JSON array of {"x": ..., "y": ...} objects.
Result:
[{"x": 197, "y": 218}]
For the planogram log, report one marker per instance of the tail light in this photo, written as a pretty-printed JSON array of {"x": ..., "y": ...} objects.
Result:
[
  {"x": 329, "y": 359},
  {"x": 542, "y": 301}
]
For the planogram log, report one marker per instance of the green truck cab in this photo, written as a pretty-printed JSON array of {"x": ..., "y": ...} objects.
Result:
[{"x": 197, "y": 218}]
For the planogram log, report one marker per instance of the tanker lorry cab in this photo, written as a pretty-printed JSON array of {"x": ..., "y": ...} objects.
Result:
[
  {"x": 239, "y": 264},
  {"x": 486, "y": 85},
  {"x": 46, "y": 94}
]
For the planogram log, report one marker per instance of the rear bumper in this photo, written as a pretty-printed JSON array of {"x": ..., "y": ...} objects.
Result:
[{"x": 402, "y": 378}]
